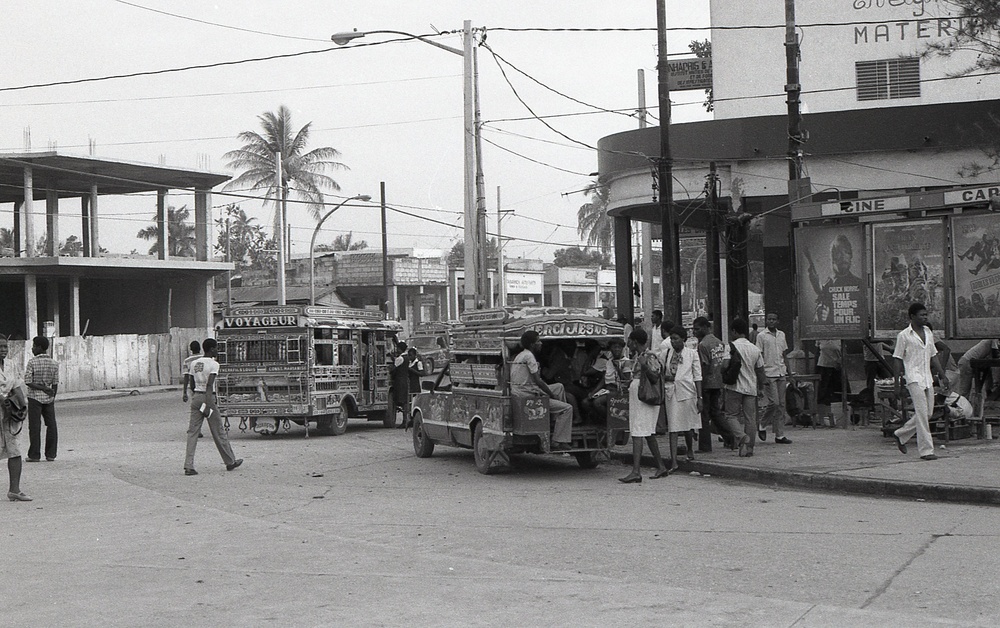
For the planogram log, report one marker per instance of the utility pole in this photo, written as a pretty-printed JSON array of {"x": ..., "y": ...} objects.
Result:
[
  {"x": 472, "y": 270},
  {"x": 280, "y": 232},
  {"x": 385, "y": 257},
  {"x": 482, "y": 241},
  {"x": 670, "y": 280},
  {"x": 713, "y": 268},
  {"x": 794, "y": 89}
]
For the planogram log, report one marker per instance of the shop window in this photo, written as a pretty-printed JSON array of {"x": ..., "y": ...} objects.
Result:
[{"x": 888, "y": 78}]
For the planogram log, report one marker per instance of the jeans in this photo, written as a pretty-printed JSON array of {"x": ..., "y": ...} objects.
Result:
[
  {"x": 741, "y": 414},
  {"x": 214, "y": 425},
  {"x": 36, "y": 412}
]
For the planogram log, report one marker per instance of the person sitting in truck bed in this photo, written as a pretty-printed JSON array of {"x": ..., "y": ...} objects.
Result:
[
  {"x": 526, "y": 382},
  {"x": 616, "y": 378},
  {"x": 557, "y": 368}
]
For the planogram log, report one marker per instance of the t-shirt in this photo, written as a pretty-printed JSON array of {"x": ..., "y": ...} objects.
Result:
[
  {"x": 711, "y": 351},
  {"x": 200, "y": 371},
  {"x": 773, "y": 347},
  {"x": 750, "y": 361},
  {"x": 521, "y": 368}
]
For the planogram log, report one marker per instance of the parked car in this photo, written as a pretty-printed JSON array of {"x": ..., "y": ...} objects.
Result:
[{"x": 434, "y": 343}]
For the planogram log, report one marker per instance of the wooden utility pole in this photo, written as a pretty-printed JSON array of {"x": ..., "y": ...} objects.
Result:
[{"x": 670, "y": 280}]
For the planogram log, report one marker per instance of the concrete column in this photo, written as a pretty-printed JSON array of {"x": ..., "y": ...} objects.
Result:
[
  {"x": 52, "y": 298},
  {"x": 623, "y": 269},
  {"x": 162, "y": 230},
  {"x": 30, "y": 307},
  {"x": 204, "y": 307},
  {"x": 29, "y": 232},
  {"x": 18, "y": 246},
  {"x": 52, "y": 220},
  {"x": 203, "y": 225},
  {"x": 85, "y": 224},
  {"x": 74, "y": 306},
  {"x": 95, "y": 240}
]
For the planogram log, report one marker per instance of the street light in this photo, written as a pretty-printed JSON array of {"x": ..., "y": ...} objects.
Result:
[
  {"x": 474, "y": 283},
  {"x": 312, "y": 243}
]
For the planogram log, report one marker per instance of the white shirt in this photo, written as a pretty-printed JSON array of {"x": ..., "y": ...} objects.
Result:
[
  {"x": 773, "y": 347},
  {"x": 200, "y": 370},
  {"x": 916, "y": 356},
  {"x": 688, "y": 372},
  {"x": 750, "y": 360}
]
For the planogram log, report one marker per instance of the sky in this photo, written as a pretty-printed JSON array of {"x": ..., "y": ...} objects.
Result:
[{"x": 393, "y": 110}]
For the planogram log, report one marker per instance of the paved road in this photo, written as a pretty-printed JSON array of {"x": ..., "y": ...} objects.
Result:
[{"x": 354, "y": 530}]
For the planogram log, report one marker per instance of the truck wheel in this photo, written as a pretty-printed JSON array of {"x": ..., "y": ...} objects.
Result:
[
  {"x": 324, "y": 425},
  {"x": 340, "y": 420},
  {"x": 587, "y": 459},
  {"x": 480, "y": 453},
  {"x": 423, "y": 446}
]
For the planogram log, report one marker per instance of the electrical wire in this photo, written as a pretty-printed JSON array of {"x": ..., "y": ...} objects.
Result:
[
  {"x": 741, "y": 27},
  {"x": 534, "y": 161},
  {"x": 216, "y": 24}
]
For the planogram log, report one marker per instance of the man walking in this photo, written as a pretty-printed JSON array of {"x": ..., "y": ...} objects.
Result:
[
  {"x": 203, "y": 372},
  {"x": 773, "y": 348},
  {"x": 915, "y": 357},
  {"x": 42, "y": 379},
  {"x": 741, "y": 397},
  {"x": 711, "y": 351}
]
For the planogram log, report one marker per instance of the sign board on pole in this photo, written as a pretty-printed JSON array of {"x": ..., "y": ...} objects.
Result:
[{"x": 689, "y": 74}]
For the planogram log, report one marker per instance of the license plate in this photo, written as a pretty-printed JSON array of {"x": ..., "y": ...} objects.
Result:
[{"x": 264, "y": 424}]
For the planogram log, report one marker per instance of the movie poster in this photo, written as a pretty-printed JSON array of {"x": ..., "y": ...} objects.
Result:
[
  {"x": 833, "y": 297},
  {"x": 975, "y": 246},
  {"x": 908, "y": 267}
]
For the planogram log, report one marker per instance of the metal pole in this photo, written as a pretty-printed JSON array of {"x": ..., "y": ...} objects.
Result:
[
  {"x": 793, "y": 89},
  {"x": 229, "y": 273},
  {"x": 471, "y": 267},
  {"x": 501, "y": 277},
  {"x": 385, "y": 256},
  {"x": 280, "y": 231},
  {"x": 646, "y": 257},
  {"x": 713, "y": 267},
  {"x": 670, "y": 280}
]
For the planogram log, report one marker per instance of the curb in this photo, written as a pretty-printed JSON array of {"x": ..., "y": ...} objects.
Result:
[
  {"x": 979, "y": 495},
  {"x": 115, "y": 393}
]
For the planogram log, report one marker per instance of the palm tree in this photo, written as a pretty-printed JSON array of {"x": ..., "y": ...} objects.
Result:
[
  {"x": 180, "y": 234},
  {"x": 592, "y": 219},
  {"x": 303, "y": 173}
]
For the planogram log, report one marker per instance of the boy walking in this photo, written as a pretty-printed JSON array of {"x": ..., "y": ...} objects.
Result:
[
  {"x": 42, "y": 379},
  {"x": 203, "y": 372}
]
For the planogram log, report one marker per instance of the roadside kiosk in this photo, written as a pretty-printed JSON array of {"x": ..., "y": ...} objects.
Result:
[
  {"x": 477, "y": 411},
  {"x": 301, "y": 364}
]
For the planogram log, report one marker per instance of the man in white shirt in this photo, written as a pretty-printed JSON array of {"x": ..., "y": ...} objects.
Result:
[
  {"x": 915, "y": 357},
  {"x": 773, "y": 348},
  {"x": 741, "y": 397},
  {"x": 203, "y": 372}
]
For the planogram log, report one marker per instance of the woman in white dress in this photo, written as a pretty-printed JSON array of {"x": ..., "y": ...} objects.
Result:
[
  {"x": 641, "y": 415},
  {"x": 681, "y": 392},
  {"x": 10, "y": 431}
]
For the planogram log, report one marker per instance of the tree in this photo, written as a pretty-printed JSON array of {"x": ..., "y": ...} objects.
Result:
[
  {"x": 71, "y": 246},
  {"x": 248, "y": 246},
  {"x": 302, "y": 173},
  {"x": 592, "y": 220},
  {"x": 574, "y": 256},
  {"x": 180, "y": 234},
  {"x": 703, "y": 50},
  {"x": 456, "y": 257},
  {"x": 343, "y": 242},
  {"x": 6, "y": 242}
]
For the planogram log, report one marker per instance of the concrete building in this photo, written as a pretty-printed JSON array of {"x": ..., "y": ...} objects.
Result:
[
  {"x": 96, "y": 293},
  {"x": 878, "y": 120},
  {"x": 579, "y": 287}
]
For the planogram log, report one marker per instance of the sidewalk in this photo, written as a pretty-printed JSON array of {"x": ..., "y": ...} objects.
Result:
[{"x": 858, "y": 460}]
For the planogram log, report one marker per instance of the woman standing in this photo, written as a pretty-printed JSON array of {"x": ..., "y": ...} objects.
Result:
[
  {"x": 681, "y": 392},
  {"x": 11, "y": 383},
  {"x": 641, "y": 415}
]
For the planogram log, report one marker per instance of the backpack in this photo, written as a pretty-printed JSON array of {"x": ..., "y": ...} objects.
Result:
[
  {"x": 731, "y": 373},
  {"x": 650, "y": 379}
]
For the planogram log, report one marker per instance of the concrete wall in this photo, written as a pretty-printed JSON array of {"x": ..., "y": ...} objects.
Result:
[{"x": 122, "y": 361}]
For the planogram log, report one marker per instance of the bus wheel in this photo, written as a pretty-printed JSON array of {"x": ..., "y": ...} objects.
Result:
[
  {"x": 422, "y": 445},
  {"x": 483, "y": 456},
  {"x": 340, "y": 420},
  {"x": 587, "y": 459}
]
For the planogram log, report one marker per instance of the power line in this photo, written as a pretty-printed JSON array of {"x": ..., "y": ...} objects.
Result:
[
  {"x": 534, "y": 161},
  {"x": 742, "y": 27},
  {"x": 216, "y": 24}
]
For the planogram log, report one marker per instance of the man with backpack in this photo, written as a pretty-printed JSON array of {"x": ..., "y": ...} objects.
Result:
[{"x": 742, "y": 384}]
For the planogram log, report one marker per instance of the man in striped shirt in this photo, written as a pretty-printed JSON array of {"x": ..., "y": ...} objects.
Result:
[{"x": 42, "y": 379}]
